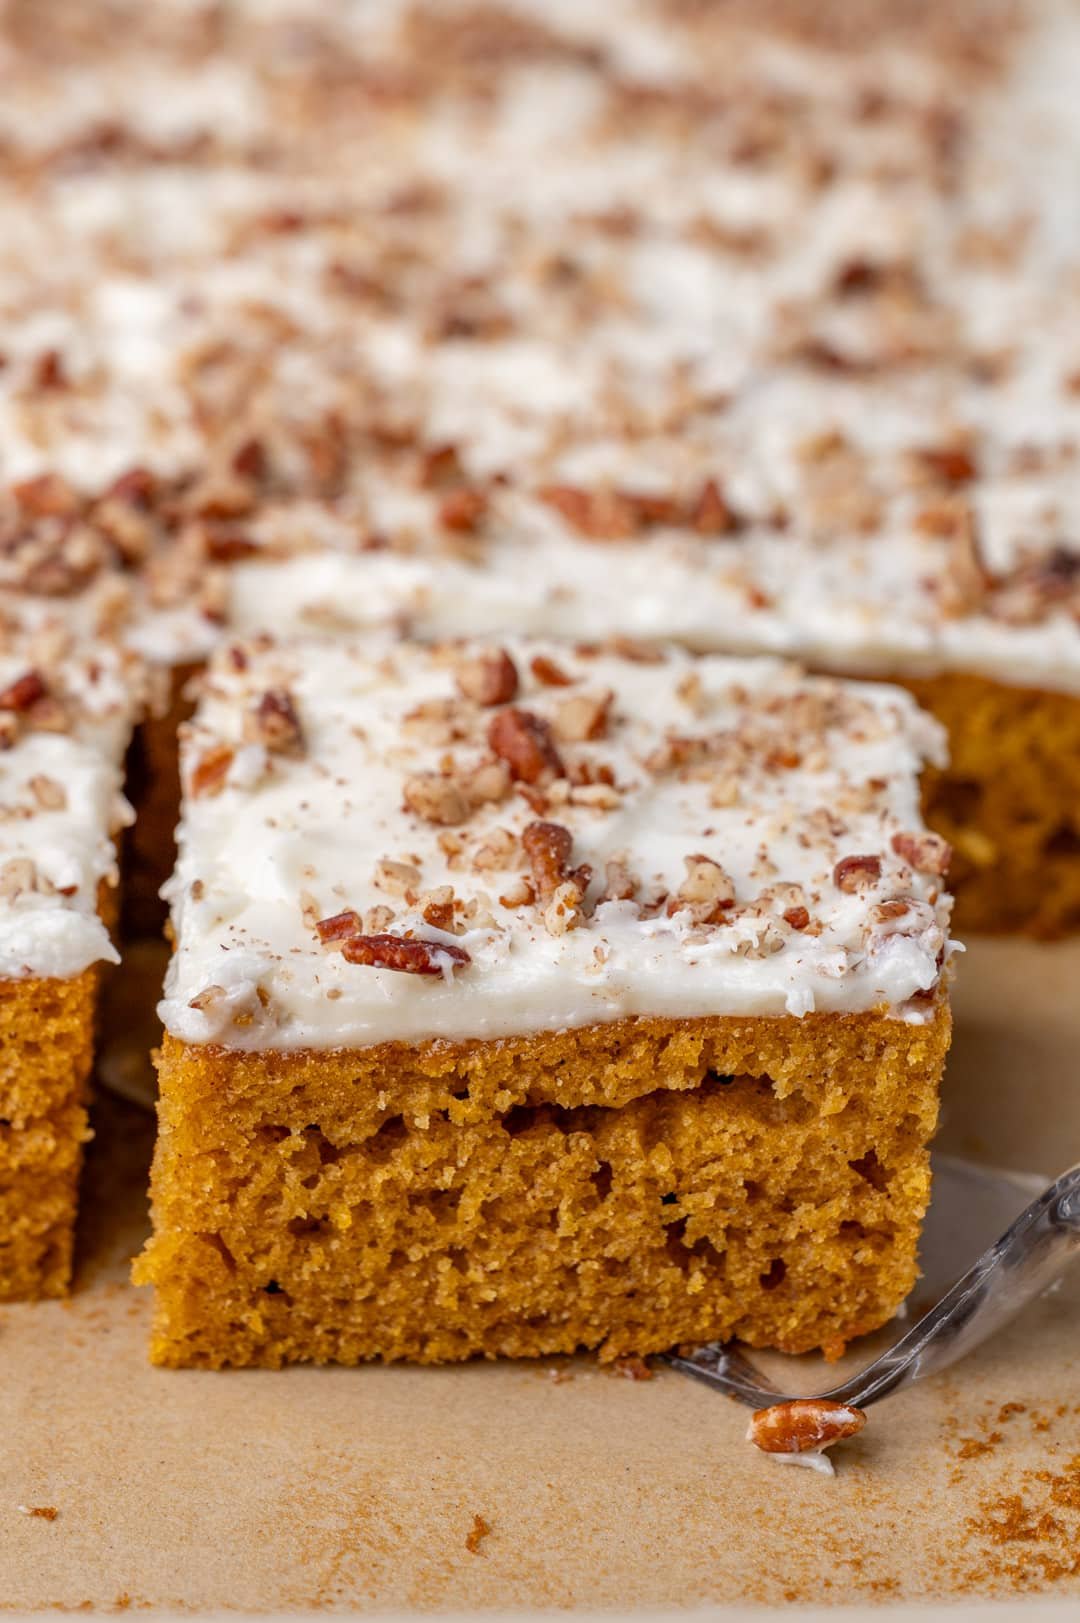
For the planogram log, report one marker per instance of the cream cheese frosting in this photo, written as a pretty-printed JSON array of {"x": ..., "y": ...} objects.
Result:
[
  {"x": 284, "y": 298},
  {"x": 65, "y": 720},
  {"x": 540, "y": 837}
]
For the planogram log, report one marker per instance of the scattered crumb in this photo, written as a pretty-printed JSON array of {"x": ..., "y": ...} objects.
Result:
[
  {"x": 632, "y": 1368},
  {"x": 47, "y": 1513},
  {"x": 972, "y": 1447},
  {"x": 479, "y": 1530}
]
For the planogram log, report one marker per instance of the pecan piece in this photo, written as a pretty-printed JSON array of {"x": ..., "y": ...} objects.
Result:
[
  {"x": 709, "y": 512},
  {"x": 599, "y": 515},
  {"x": 803, "y": 1426},
  {"x": 23, "y": 692},
  {"x": 406, "y": 954},
  {"x": 46, "y": 496},
  {"x": 436, "y": 799},
  {"x": 548, "y": 672},
  {"x": 276, "y": 723},
  {"x": 707, "y": 891},
  {"x": 523, "y": 740},
  {"x": 548, "y": 847},
  {"x": 490, "y": 678},
  {"x": 925, "y": 852},
  {"x": 583, "y": 717},
  {"x": 797, "y": 917},
  {"x": 852, "y": 873},
  {"x": 463, "y": 511},
  {"x": 211, "y": 770}
]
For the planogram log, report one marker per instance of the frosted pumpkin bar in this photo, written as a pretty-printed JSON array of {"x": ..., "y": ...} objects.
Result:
[
  {"x": 527, "y": 999},
  {"x": 65, "y": 719}
]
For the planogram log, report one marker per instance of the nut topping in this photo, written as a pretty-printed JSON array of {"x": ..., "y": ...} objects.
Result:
[
  {"x": 436, "y": 799},
  {"x": 489, "y": 679},
  {"x": 803, "y": 1426},
  {"x": 852, "y": 873},
  {"x": 23, "y": 692},
  {"x": 523, "y": 740},
  {"x": 276, "y": 724},
  {"x": 707, "y": 891},
  {"x": 405, "y": 954},
  {"x": 926, "y": 852},
  {"x": 548, "y": 847},
  {"x": 211, "y": 770}
]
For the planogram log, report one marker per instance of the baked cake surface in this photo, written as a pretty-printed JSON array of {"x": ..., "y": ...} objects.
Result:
[
  {"x": 64, "y": 722},
  {"x": 527, "y": 997}
]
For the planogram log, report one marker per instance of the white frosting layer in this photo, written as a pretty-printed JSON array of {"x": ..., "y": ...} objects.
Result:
[
  {"x": 61, "y": 807},
  {"x": 777, "y": 778},
  {"x": 738, "y": 241}
]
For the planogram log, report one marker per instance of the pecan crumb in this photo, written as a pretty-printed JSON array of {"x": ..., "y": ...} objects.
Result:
[
  {"x": 436, "y": 799},
  {"x": 23, "y": 692},
  {"x": 707, "y": 891},
  {"x": 276, "y": 723},
  {"x": 46, "y": 1513},
  {"x": 632, "y": 1367},
  {"x": 851, "y": 873},
  {"x": 926, "y": 852},
  {"x": 548, "y": 847},
  {"x": 405, "y": 954},
  {"x": 523, "y": 740},
  {"x": 479, "y": 1531},
  {"x": 550, "y": 674},
  {"x": 488, "y": 679},
  {"x": 338, "y": 926},
  {"x": 211, "y": 770}
]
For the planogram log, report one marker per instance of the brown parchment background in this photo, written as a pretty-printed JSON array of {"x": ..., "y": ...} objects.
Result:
[{"x": 357, "y": 1488}]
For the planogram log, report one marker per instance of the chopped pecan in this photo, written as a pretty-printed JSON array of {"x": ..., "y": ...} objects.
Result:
[
  {"x": 582, "y": 717},
  {"x": 276, "y": 723},
  {"x": 709, "y": 512},
  {"x": 600, "y": 515},
  {"x": 396, "y": 877},
  {"x": 464, "y": 510},
  {"x": 211, "y": 770},
  {"x": 797, "y": 917},
  {"x": 49, "y": 794},
  {"x": 17, "y": 875},
  {"x": 523, "y": 740},
  {"x": 339, "y": 925},
  {"x": 406, "y": 954},
  {"x": 46, "y": 496},
  {"x": 967, "y": 580},
  {"x": 440, "y": 467},
  {"x": 486, "y": 784},
  {"x": 24, "y": 692},
  {"x": 620, "y": 883},
  {"x": 852, "y": 873},
  {"x": 926, "y": 852},
  {"x": 489, "y": 678},
  {"x": 437, "y": 907},
  {"x": 950, "y": 464},
  {"x": 549, "y": 673},
  {"x": 548, "y": 847},
  {"x": 803, "y": 1425},
  {"x": 436, "y": 799},
  {"x": 707, "y": 891}
]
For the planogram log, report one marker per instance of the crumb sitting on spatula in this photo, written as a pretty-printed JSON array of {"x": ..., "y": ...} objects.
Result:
[{"x": 799, "y": 1432}]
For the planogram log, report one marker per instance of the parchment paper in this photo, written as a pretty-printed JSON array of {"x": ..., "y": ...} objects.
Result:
[{"x": 359, "y": 1488}]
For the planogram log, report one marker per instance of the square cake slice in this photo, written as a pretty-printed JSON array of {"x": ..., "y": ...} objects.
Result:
[
  {"x": 65, "y": 719},
  {"x": 529, "y": 998}
]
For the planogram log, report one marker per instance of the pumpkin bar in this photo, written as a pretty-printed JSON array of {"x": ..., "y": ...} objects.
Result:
[
  {"x": 529, "y": 998},
  {"x": 65, "y": 718}
]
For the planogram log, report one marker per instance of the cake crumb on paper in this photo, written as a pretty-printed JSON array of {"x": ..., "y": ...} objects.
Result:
[{"x": 477, "y": 1533}]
